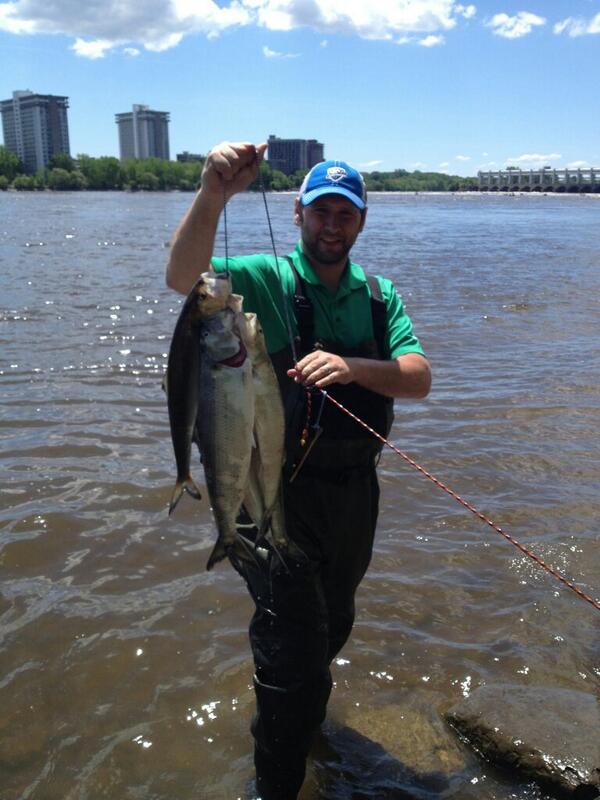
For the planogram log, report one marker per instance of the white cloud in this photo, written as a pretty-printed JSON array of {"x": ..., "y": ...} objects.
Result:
[
  {"x": 431, "y": 41},
  {"x": 93, "y": 50},
  {"x": 11, "y": 22},
  {"x": 370, "y": 164},
  {"x": 515, "y": 27},
  {"x": 98, "y": 27},
  {"x": 131, "y": 51},
  {"x": 466, "y": 11},
  {"x": 377, "y": 19},
  {"x": 418, "y": 165},
  {"x": 578, "y": 165},
  {"x": 533, "y": 160},
  {"x": 324, "y": 43},
  {"x": 576, "y": 26},
  {"x": 159, "y": 25},
  {"x": 268, "y": 53},
  {"x": 462, "y": 158}
]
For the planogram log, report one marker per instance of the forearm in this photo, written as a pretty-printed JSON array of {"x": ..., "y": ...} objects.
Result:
[
  {"x": 193, "y": 242},
  {"x": 406, "y": 376}
]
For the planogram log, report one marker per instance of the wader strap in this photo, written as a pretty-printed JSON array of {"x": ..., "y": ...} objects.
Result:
[
  {"x": 304, "y": 312},
  {"x": 305, "y": 316},
  {"x": 379, "y": 314}
]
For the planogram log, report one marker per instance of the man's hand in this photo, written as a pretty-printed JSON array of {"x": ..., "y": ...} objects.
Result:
[
  {"x": 231, "y": 167},
  {"x": 408, "y": 375},
  {"x": 321, "y": 369}
]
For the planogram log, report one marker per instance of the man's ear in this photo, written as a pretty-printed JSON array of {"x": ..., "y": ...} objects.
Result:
[
  {"x": 297, "y": 212},
  {"x": 363, "y": 215}
]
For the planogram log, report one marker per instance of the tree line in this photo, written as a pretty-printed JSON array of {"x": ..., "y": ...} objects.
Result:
[{"x": 65, "y": 173}]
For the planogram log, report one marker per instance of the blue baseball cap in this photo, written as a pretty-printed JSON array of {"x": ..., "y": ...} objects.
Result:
[{"x": 334, "y": 177}]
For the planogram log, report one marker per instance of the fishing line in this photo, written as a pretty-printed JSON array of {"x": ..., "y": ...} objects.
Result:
[
  {"x": 225, "y": 230},
  {"x": 327, "y": 396},
  {"x": 468, "y": 506},
  {"x": 286, "y": 310}
]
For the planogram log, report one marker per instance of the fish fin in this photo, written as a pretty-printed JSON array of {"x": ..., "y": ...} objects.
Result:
[
  {"x": 219, "y": 552},
  {"x": 188, "y": 485},
  {"x": 288, "y": 552}
]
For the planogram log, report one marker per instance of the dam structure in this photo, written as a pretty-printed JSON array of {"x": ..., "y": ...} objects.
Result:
[{"x": 547, "y": 179}]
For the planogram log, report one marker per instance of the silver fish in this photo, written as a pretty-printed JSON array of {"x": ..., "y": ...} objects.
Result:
[
  {"x": 263, "y": 499},
  {"x": 181, "y": 383},
  {"x": 224, "y": 394}
]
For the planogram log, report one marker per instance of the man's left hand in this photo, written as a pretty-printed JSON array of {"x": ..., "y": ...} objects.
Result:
[{"x": 321, "y": 369}]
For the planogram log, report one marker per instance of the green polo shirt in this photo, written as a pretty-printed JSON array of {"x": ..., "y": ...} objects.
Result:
[{"x": 343, "y": 317}]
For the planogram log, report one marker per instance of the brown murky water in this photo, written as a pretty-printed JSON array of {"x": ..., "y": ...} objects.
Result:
[{"x": 124, "y": 667}]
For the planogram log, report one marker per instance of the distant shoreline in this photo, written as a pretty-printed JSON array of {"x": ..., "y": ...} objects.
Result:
[{"x": 372, "y": 193}]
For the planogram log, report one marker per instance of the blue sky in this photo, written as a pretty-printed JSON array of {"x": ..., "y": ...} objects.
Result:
[{"x": 415, "y": 84}]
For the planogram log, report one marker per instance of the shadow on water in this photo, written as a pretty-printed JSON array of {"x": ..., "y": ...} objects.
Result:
[{"x": 348, "y": 765}]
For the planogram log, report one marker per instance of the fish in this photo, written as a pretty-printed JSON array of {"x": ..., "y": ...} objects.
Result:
[
  {"x": 224, "y": 424},
  {"x": 181, "y": 381},
  {"x": 223, "y": 395},
  {"x": 263, "y": 498}
]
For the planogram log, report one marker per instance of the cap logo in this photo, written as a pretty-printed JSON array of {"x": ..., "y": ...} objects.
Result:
[{"x": 336, "y": 174}]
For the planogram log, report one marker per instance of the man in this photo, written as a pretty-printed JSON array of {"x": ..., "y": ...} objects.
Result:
[{"x": 353, "y": 338}]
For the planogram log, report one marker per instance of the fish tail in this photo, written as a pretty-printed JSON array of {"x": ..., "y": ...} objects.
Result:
[
  {"x": 218, "y": 554},
  {"x": 187, "y": 485}
]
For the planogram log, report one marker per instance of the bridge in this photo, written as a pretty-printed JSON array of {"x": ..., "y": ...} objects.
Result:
[{"x": 547, "y": 179}]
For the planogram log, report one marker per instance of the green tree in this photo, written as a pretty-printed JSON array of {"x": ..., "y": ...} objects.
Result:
[
  {"x": 61, "y": 180},
  {"x": 62, "y": 161},
  {"x": 101, "y": 173},
  {"x": 24, "y": 183},
  {"x": 10, "y": 165},
  {"x": 280, "y": 182},
  {"x": 3, "y": 183},
  {"x": 149, "y": 182}
]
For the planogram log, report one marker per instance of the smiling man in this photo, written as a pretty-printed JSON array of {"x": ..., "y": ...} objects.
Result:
[{"x": 352, "y": 337}]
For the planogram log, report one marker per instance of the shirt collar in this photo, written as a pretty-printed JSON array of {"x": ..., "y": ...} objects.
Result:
[{"x": 353, "y": 277}]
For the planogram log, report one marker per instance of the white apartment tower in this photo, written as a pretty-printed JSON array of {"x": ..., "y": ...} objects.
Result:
[
  {"x": 35, "y": 127},
  {"x": 143, "y": 133}
]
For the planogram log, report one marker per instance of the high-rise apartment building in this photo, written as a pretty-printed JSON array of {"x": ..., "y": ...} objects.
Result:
[
  {"x": 35, "y": 127},
  {"x": 143, "y": 133},
  {"x": 288, "y": 155}
]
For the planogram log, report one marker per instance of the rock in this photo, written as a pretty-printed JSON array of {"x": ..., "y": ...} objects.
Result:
[
  {"x": 393, "y": 751},
  {"x": 411, "y": 733},
  {"x": 551, "y": 735}
]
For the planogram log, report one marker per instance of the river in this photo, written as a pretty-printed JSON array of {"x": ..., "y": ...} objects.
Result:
[{"x": 125, "y": 670}]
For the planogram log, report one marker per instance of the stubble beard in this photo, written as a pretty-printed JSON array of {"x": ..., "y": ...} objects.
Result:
[{"x": 321, "y": 255}]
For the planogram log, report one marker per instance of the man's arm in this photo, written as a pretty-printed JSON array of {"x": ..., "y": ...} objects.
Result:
[
  {"x": 229, "y": 168},
  {"x": 408, "y": 375}
]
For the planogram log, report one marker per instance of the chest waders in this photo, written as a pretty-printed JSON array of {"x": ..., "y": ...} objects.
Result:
[{"x": 305, "y": 609}]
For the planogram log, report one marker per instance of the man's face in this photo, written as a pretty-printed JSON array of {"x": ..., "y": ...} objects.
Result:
[{"x": 329, "y": 227}]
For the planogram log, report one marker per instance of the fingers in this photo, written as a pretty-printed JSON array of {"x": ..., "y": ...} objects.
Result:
[
  {"x": 320, "y": 369},
  {"x": 230, "y": 158}
]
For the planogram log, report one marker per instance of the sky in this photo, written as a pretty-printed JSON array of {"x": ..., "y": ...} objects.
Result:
[{"x": 435, "y": 85}]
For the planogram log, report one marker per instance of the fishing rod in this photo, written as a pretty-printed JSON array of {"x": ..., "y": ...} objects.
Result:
[{"x": 327, "y": 396}]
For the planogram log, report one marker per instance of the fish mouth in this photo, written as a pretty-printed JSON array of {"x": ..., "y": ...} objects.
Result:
[{"x": 238, "y": 359}]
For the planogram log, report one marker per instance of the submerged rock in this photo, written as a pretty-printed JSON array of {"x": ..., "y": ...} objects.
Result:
[
  {"x": 550, "y": 735},
  {"x": 394, "y": 751}
]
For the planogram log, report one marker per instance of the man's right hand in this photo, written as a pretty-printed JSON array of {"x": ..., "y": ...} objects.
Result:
[{"x": 231, "y": 167}]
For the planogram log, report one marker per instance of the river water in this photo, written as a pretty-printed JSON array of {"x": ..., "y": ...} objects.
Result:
[{"x": 124, "y": 666}]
